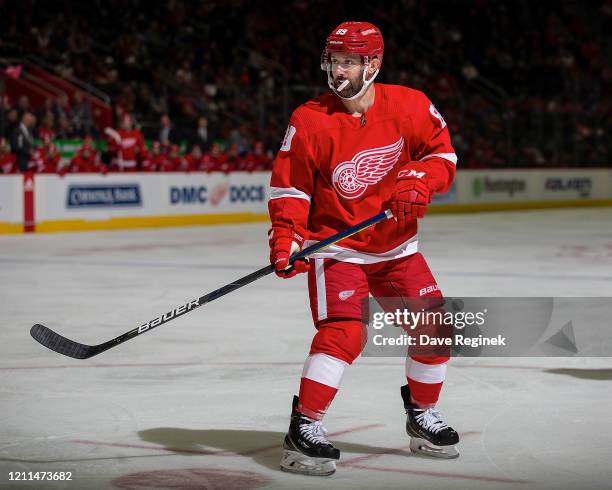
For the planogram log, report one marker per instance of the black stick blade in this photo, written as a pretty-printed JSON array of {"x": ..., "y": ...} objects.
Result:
[{"x": 60, "y": 344}]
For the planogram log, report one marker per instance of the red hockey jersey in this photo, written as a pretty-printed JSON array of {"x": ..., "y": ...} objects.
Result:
[
  {"x": 8, "y": 163},
  {"x": 334, "y": 170},
  {"x": 131, "y": 146}
]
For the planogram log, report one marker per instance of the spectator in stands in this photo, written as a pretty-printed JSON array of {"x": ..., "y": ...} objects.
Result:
[
  {"x": 82, "y": 120},
  {"x": 22, "y": 141},
  {"x": 45, "y": 130},
  {"x": 62, "y": 107},
  {"x": 7, "y": 159},
  {"x": 64, "y": 127},
  {"x": 202, "y": 137},
  {"x": 12, "y": 121},
  {"x": 238, "y": 137},
  {"x": 48, "y": 106},
  {"x": 23, "y": 105},
  {"x": 167, "y": 133},
  {"x": 5, "y": 108}
]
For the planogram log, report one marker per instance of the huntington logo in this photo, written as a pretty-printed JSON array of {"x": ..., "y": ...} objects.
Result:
[
  {"x": 111, "y": 195},
  {"x": 482, "y": 185}
]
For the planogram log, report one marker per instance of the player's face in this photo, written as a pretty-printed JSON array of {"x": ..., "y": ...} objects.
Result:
[{"x": 345, "y": 67}]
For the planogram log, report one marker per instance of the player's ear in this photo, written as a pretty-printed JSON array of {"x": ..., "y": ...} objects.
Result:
[{"x": 373, "y": 66}]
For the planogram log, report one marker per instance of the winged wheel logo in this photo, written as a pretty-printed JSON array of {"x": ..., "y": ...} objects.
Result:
[{"x": 368, "y": 167}]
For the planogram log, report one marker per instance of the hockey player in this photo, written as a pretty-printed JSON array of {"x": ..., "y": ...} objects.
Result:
[
  {"x": 257, "y": 159},
  {"x": 195, "y": 160},
  {"x": 7, "y": 159},
  {"x": 126, "y": 143},
  {"x": 46, "y": 159},
  {"x": 154, "y": 160},
  {"x": 348, "y": 154},
  {"x": 86, "y": 159}
]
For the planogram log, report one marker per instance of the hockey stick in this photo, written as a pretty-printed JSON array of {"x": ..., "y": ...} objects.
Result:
[{"x": 70, "y": 348}]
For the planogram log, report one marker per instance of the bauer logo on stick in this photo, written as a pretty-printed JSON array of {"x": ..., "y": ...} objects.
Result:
[{"x": 169, "y": 316}]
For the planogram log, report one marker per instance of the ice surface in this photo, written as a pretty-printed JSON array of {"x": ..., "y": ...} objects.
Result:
[{"x": 203, "y": 401}]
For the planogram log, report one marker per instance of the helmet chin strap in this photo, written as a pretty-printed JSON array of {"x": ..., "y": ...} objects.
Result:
[{"x": 364, "y": 86}]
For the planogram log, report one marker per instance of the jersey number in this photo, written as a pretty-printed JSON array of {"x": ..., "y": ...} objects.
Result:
[
  {"x": 286, "y": 145},
  {"x": 434, "y": 112}
]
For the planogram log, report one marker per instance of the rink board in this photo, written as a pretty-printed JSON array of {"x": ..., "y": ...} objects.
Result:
[
  {"x": 11, "y": 204},
  {"x": 130, "y": 200},
  {"x": 82, "y": 202}
]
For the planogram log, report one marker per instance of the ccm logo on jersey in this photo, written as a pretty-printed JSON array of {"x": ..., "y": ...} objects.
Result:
[
  {"x": 368, "y": 167},
  {"x": 429, "y": 289},
  {"x": 411, "y": 173},
  {"x": 170, "y": 315}
]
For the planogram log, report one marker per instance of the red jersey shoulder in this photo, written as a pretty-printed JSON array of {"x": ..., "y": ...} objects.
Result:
[
  {"x": 316, "y": 114},
  {"x": 413, "y": 103},
  {"x": 404, "y": 98}
]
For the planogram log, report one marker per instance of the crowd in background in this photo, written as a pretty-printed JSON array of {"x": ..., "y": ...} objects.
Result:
[
  {"x": 26, "y": 147},
  {"x": 520, "y": 83}
]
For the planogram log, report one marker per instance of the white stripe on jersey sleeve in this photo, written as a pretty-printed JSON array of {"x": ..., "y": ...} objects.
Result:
[
  {"x": 451, "y": 157},
  {"x": 280, "y": 192}
]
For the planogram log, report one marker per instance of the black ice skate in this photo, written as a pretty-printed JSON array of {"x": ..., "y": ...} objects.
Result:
[
  {"x": 429, "y": 434},
  {"x": 306, "y": 450}
]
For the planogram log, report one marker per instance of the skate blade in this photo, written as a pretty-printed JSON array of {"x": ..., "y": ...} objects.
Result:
[
  {"x": 426, "y": 448},
  {"x": 296, "y": 462}
]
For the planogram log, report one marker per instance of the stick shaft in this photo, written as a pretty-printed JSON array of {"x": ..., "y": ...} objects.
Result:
[{"x": 63, "y": 345}]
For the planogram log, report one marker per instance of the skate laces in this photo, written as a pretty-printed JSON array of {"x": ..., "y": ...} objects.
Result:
[
  {"x": 431, "y": 420},
  {"x": 314, "y": 432}
]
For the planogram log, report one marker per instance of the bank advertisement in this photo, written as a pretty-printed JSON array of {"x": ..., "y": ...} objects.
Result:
[{"x": 99, "y": 197}]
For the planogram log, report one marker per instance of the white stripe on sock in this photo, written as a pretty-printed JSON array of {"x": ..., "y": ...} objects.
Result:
[
  {"x": 425, "y": 373},
  {"x": 324, "y": 369}
]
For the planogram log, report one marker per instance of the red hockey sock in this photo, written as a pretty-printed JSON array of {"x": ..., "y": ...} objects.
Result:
[
  {"x": 315, "y": 397},
  {"x": 320, "y": 381},
  {"x": 425, "y": 378},
  {"x": 425, "y": 395}
]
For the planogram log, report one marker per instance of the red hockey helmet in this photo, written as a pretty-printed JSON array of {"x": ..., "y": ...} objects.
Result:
[{"x": 360, "y": 38}]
